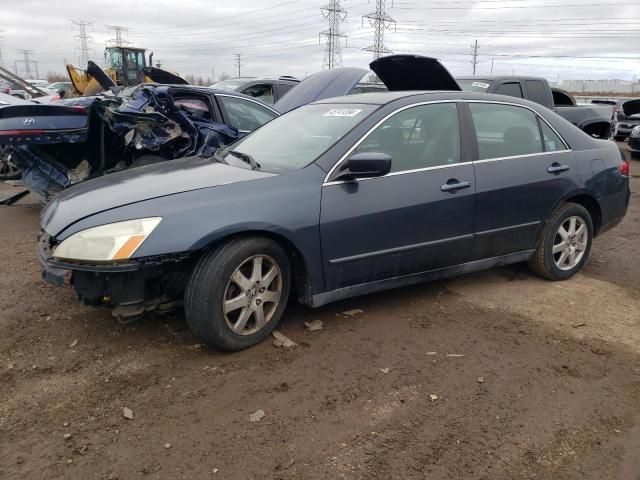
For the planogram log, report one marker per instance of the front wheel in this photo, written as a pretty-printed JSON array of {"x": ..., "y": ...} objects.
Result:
[
  {"x": 238, "y": 292},
  {"x": 564, "y": 244}
]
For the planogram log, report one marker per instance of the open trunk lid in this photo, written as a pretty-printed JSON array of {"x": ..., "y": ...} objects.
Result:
[{"x": 413, "y": 72}]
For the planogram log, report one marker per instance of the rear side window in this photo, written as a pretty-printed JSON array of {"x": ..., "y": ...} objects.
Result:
[
  {"x": 418, "y": 137},
  {"x": 512, "y": 89},
  {"x": 537, "y": 92},
  {"x": 505, "y": 130},
  {"x": 552, "y": 142}
]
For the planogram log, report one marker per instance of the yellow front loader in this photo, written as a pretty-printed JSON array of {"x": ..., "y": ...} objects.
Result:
[{"x": 125, "y": 66}]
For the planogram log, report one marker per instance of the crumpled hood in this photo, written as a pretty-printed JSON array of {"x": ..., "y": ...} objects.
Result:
[{"x": 139, "y": 184}]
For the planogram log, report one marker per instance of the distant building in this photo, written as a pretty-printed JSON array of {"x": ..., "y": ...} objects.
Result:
[{"x": 605, "y": 86}]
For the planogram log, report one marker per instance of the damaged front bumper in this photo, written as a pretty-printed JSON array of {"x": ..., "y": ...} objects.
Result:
[{"x": 128, "y": 290}]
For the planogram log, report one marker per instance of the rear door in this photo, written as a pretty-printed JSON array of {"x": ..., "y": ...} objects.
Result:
[
  {"x": 419, "y": 217},
  {"x": 523, "y": 169}
]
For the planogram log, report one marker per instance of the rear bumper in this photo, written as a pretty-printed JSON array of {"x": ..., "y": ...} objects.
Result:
[{"x": 614, "y": 208}]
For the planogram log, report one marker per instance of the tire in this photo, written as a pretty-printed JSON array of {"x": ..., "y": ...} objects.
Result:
[
  {"x": 618, "y": 138},
  {"x": 212, "y": 285},
  {"x": 635, "y": 155},
  {"x": 544, "y": 262}
]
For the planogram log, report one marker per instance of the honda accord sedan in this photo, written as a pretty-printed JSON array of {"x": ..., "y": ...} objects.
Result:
[{"x": 338, "y": 198}]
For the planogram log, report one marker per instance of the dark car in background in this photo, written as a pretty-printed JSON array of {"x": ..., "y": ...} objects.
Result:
[
  {"x": 341, "y": 197},
  {"x": 595, "y": 120},
  {"x": 267, "y": 90},
  {"x": 627, "y": 118}
]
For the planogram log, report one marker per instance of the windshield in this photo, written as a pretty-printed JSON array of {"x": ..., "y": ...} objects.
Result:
[
  {"x": 474, "y": 84},
  {"x": 229, "y": 84},
  {"x": 299, "y": 137}
]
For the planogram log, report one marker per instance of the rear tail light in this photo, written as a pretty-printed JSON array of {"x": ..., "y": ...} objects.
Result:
[{"x": 624, "y": 168}]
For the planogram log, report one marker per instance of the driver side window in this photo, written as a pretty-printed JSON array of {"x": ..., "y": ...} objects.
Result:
[{"x": 418, "y": 137}]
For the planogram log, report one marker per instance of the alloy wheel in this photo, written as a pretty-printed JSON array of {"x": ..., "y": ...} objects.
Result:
[
  {"x": 252, "y": 295},
  {"x": 570, "y": 243}
]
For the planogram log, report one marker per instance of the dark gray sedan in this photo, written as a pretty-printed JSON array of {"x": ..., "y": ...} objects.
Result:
[{"x": 341, "y": 197}]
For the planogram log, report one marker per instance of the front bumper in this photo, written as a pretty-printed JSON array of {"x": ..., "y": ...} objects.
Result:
[
  {"x": 634, "y": 145},
  {"x": 128, "y": 289},
  {"x": 61, "y": 273}
]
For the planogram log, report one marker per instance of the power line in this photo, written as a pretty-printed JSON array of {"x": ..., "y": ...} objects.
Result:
[
  {"x": 83, "y": 57},
  {"x": 334, "y": 14},
  {"x": 380, "y": 22},
  {"x": 27, "y": 62},
  {"x": 118, "y": 31},
  {"x": 238, "y": 62},
  {"x": 474, "y": 52}
]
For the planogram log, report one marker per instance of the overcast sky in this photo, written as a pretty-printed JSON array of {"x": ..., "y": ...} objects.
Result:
[{"x": 572, "y": 39}]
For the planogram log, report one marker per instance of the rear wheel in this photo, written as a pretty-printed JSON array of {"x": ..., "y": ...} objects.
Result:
[
  {"x": 238, "y": 292},
  {"x": 564, "y": 244}
]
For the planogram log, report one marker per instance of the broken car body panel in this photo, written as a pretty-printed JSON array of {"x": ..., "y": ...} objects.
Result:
[{"x": 111, "y": 132}]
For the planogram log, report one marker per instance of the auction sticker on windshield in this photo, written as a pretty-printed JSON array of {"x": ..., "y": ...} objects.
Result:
[
  {"x": 480, "y": 85},
  {"x": 342, "y": 112}
]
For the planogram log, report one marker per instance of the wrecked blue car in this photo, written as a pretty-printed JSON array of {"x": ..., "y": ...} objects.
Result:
[{"x": 58, "y": 145}]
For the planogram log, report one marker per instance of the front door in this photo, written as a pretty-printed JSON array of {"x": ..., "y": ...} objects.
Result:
[
  {"x": 419, "y": 217},
  {"x": 523, "y": 169}
]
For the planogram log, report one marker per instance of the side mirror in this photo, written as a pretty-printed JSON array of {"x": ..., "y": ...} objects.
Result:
[{"x": 366, "y": 165}]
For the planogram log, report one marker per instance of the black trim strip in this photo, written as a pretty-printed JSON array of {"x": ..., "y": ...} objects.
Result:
[
  {"x": 406, "y": 248},
  {"x": 506, "y": 229},
  {"x": 406, "y": 280}
]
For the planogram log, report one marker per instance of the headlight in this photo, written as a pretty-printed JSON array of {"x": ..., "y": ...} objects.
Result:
[
  {"x": 635, "y": 133},
  {"x": 114, "y": 241}
]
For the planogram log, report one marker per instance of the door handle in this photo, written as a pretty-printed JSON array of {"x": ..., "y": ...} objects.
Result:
[
  {"x": 557, "y": 168},
  {"x": 453, "y": 185}
]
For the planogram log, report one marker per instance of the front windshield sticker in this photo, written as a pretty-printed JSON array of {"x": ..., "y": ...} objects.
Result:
[
  {"x": 342, "y": 112},
  {"x": 480, "y": 85}
]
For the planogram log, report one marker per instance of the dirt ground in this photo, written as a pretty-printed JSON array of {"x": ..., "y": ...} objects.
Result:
[{"x": 495, "y": 375}]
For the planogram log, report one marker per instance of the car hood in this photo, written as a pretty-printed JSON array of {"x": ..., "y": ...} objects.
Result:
[
  {"x": 632, "y": 107},
  {"x": 413, "y": 72},
  {"x": 139, "y": 184},
  {"x": 330, "y": 83}
]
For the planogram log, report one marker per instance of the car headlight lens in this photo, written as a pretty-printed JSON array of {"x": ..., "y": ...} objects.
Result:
[
  {"x": 635, "y": 133},
  {"x": 111, "y": 242}
]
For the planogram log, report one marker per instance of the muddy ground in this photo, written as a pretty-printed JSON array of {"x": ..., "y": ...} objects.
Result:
[{"x": 495, "y": 375}]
